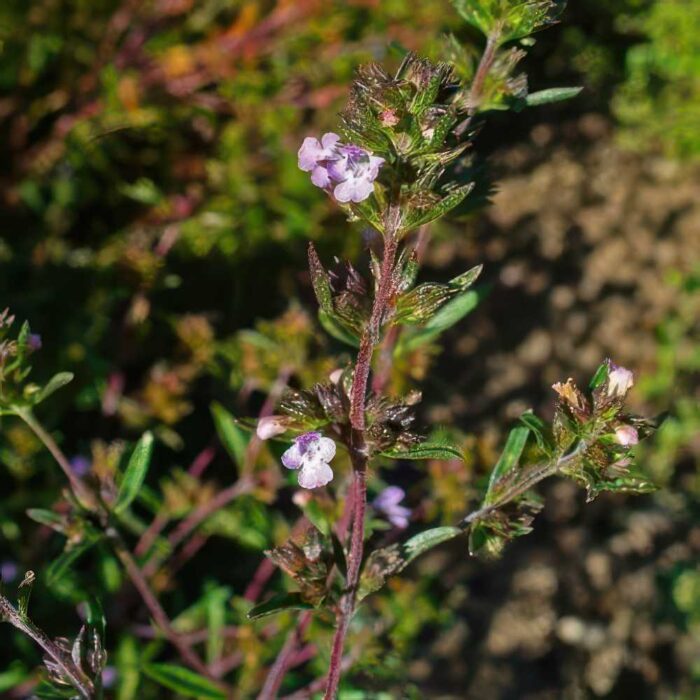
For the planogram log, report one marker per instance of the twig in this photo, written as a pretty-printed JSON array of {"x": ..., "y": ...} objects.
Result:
[
  {"x": 284, "y": 659},
  {"x": 70, "y": 670}
]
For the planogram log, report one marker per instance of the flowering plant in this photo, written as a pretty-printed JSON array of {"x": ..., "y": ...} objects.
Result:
[{"x": 400, "y": 164}]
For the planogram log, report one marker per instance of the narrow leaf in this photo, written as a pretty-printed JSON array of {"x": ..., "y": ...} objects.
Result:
[
  {"x": 48, "y": 518},
  {"x": 233, "y": 437},
  {"x": 543, "y": 97},
  {"x": 54, "y": 384},
  {"x": 59, "y": 566},
  {"x": 183, "y": 681},
  {"x": 538, "y": 428},
  {"x": 332, "y": 327},
  {"x": 135, "y": 473},
  {"x": 426, "y": 540},
  {"x": 508, "y": 460},
  {"x": 427, "y": 450},
  {"x": 279, "y": 603}
]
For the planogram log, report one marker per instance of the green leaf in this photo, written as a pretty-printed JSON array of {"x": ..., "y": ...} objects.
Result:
[
  {"x": 427, "y": 450},
  {"x": 59, "y": 566},
  {"x": 601, "y": 374},
  {"x": 183, "y": 681},
  {"x": 543, "y": 97},
  {"x": 135, "y": 473},
  {"x": 538, "y": 428},
  {"x": 54, "y": 384},
  {"x": 391, "y": 560},
  {"x": 515, "y": 444},
  {"x": 447, "y": 316},
  {"x": 233, "y": 437},
  {"x": 423, "y": 541},
  {"x": 47, "y": 517},
  {"x": 332, "y": 327},
  {"x": 279, "y": 603},
  {"x": 24, "y": 593},
  {"x": 320, "y": 281}
]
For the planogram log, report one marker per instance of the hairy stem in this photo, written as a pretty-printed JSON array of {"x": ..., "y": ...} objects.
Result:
[
  {"x": 69, "y": 669},
  {"x": 358, "y": 449},
  {"x": 534, "y": 476}
]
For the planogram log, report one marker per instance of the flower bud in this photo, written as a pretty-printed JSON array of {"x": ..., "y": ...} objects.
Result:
[
  {"x": 620, "y": 381},
  {"x": 626, "y": 435},
  {"x": 269, "y": 426}
]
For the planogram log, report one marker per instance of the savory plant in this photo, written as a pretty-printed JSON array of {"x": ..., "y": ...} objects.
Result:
[{"x": 398, "y": 164}]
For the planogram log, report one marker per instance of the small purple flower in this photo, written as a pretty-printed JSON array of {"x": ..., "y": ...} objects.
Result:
[
  {"x": 8, "y": 571},
  {"x": 109, "y": 676},
  {"x": 620, "y": 381},
  {"x": 311, "y": 453},
  {"x": 80, "y": 465},
  {"x": 34, "y": 342},
  {"x": 387, "y": 503},
  {"x": 626, "y": 435},
  {"x": 348, "y": 169}
]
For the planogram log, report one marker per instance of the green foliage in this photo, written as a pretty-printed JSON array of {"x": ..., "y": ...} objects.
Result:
[
  {"x": 135, "y": 473},
  {"x": 659, "y": 102},
  {"x": 183, "y": 681}
]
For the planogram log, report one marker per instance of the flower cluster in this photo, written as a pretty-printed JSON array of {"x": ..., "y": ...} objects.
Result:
[
  {"x": 348, "y": 170},
  {"x": 311, "y": 453}
]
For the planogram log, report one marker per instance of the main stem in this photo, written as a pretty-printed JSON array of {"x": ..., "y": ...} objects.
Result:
[{"x": 358, "y": 447}]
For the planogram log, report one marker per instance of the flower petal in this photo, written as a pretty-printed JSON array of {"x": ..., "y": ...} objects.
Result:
[
  {"x": 390, "y": 496},
  {"x": 329, "y": 140},
  {"x": 319, "y": 176},
  {"x": 293, "y": 457},
  {"x": 310, "y": 153},
  {"x": 314, "y": 474},
  {"x": 323, "y": 450}
]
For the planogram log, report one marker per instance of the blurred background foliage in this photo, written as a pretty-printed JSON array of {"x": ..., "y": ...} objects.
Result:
[{"x": 154, "y": 233}]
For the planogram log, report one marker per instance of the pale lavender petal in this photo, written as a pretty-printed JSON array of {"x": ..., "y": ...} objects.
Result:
[
  {"x": 338, "y": 169},
  {"x": 310, "y": 153},
  {"x": 315, "y": 474},
  {"x": 398, "y": 517},
  {"x": 354, "y": 190},
  {"x": 323, "y": 450},
  {"x": 329, "y": 140},
  {"x": 293, "y": 457},
  {"x": 319, "y": 176},
  {"x": 390, "y": 496},
  {"x": 375, "y": 162},
  {"x": 306, "y": 440}
]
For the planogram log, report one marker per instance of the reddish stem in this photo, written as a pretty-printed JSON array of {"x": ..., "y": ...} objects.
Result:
[{"x": 358, "y": 447}]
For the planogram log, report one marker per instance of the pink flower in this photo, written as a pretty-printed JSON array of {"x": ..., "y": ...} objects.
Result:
[
  {"x": 311, "y": 453},
  {"x": 626, "y": 435},
  {"x": 387, "y": 503},
  {"x": 620, "y": 381},
  {"x": 350, "y": 171}
]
